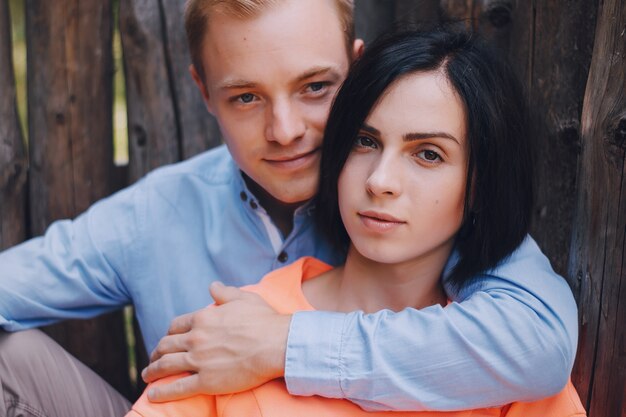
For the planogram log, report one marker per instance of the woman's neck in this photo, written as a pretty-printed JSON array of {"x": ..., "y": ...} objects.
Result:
[{"x": 362, "y": 284}]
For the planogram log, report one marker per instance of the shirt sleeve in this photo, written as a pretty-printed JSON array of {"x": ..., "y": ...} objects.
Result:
[
  {"x": 510, "y": 336},
  {"x": 74, "y": 270}
]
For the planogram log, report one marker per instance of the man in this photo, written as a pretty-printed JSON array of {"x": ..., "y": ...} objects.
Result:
[{"x": 268, "y": 71}]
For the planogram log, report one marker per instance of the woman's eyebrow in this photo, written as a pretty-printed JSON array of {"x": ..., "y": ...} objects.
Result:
[
  {"x": 371, "y": 130},
  {"x": 409, "y": 137}
]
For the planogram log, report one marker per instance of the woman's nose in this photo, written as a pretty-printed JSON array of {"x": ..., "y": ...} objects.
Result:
[{"x": 384, "y": 180}]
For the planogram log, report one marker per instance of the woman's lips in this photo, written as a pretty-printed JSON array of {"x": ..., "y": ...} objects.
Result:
[{"x": 379, "y": 222}]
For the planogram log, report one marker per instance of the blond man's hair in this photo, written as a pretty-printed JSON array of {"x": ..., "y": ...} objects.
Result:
[{"x": 198, "y": 12}]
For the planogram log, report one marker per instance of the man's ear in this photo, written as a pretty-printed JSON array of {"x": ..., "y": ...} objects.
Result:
[
  {"x": 357, "y": 48},
  {"x": 201, "y": 86}
]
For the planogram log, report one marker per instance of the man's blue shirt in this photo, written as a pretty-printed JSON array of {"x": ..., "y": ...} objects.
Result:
[{"x": 161, "y": 242}]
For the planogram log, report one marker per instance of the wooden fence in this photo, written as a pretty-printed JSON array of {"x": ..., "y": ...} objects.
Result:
[{"x": 570, "y": 53}]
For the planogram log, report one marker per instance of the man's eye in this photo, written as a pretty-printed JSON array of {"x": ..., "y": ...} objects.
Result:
[
  {"x": 429, "y": 156},
  {"x": 316, "y": 87},
  {"x": 246, "y": 98},
  {"x": 364, "y": 142}
]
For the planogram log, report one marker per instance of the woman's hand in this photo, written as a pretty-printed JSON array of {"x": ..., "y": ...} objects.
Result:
[{"x": 235, "y": 345}]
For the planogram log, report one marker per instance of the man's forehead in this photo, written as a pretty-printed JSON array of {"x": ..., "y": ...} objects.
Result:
[
  {"x": 287, "y": 44},
  {"x": 286, "y": 17}
]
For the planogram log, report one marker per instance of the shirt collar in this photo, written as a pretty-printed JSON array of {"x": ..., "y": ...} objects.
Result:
[{"x": 248, "y": 199}]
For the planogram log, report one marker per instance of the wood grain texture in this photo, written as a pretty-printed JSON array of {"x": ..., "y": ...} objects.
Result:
[
  {"x": 598, "y": 253},
  {"x": 422, "y": 13},
  {"x": 13, "y": 161},
  {"x": 70, "y": 78},
  {"x": 70, "y": 107},
  {"x": 372, "y": 18},
  {"x": 197, "y": 128},
  {"x": 552, "y": 52},
  {"x": 491, "y": 18},
  {"x": 153, "y": 128}
]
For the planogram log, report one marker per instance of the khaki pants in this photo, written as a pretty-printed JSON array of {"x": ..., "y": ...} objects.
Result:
[{"x": 39, "y": 378}]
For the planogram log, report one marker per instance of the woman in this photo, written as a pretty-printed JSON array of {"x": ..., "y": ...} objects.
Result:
[{"x": 425, "y": 174}]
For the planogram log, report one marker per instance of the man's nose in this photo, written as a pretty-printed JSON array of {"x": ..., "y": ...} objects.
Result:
[{"x": 285, "y": 123}]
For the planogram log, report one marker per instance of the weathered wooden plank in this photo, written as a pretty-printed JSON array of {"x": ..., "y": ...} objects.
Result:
[
  {"x": 13, "y": 162},
  {"x": 70, "y": 70},
  {"x": 198, "y": 128},
  {"x": 491, "y": 18},
  {"x": 70, "y": 106},
  {"x": 153, "y": 128},
  {"x": 423, "y": 13},
  {"x": 373, "y": 17},
  {"x": 155, "y": 98},
  {"x": 598, "y": 256},
  {"x": 552, "y": 51}
]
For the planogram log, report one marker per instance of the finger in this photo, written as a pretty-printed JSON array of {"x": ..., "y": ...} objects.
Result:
[
  {"x": 171, "y": 364},
  {"x": 181, "y": 324},
  {"x": 170, "y": 344},
  {"x": 224, "y": 294},
  {"x": 176, "y": 390}
]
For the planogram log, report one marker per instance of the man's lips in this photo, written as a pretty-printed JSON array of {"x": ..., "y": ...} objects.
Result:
[
  {"x": 292, "y": 157},
  {"x": 293, "y": 161},
  {"x": 379, "y": 222}
]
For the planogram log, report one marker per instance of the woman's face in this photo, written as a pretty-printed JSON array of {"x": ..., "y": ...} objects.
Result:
[{"x": 402, "y": 189}]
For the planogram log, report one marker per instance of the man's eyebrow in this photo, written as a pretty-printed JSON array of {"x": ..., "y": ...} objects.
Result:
[
  {"x": 409, "y": 137},
  {"x": 243, "y": 84},
  {"x": 316, "y": 71},
  {"x": 232, "y": 84}
]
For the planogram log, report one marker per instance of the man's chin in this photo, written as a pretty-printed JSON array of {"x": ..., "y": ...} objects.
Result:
[
  {"x": 295, "y": 191},
  {"x": 294, "y": 199}
]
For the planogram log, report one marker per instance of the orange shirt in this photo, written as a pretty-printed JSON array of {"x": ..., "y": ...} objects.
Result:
[{"x": 282, "y": 289}]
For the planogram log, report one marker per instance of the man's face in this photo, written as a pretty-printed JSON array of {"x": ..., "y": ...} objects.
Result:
[{"x": 270, "y": 81}]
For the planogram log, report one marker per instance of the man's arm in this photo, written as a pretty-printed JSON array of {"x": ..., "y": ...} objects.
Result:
[
  {"x": 511, "y": 337},
  {"x": 71, "y": 271}
]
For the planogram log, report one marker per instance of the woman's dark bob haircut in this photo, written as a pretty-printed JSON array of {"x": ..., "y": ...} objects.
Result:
[{"x": 498, "y": 198}]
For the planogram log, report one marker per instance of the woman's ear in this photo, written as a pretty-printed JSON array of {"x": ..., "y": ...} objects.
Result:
[{"x": 201, "y": 86}]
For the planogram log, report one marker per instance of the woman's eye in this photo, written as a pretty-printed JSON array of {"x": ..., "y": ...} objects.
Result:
[
  {"x": 364, "y": 142},
  {"x": 429, "y": 156}
]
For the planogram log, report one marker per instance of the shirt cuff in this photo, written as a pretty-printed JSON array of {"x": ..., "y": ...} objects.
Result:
[{"x": 313, "y": 360}]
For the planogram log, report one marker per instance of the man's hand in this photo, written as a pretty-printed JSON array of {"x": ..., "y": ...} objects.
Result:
[{"x": 235, "y": 345}]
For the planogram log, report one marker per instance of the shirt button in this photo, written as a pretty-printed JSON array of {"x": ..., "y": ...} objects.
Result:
[
  {"x": 253, "y": 204},
  {"x": 283, "y": 257},
  {"x": 244, "y": 196}
]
